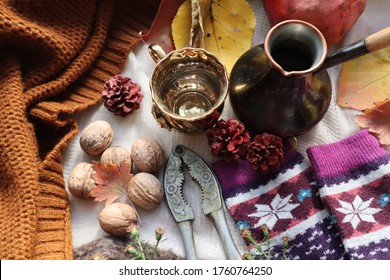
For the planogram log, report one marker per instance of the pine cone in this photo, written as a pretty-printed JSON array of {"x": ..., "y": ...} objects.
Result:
[
  {"x": 266, "y": 153},
  {"x": 121, "y": 95},
  {"x": 228, "y": 139}
]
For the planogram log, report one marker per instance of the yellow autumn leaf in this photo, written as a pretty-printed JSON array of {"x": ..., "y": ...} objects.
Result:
[
  {"x": 228, "y": 29},
  {"x": 365, "y": 80}
]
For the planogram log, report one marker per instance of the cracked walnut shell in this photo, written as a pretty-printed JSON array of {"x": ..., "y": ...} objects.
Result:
[{"x": 145, "y": 190}]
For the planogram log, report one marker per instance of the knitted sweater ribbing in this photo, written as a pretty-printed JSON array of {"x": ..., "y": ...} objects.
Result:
[{"x": 55, "y": 56}]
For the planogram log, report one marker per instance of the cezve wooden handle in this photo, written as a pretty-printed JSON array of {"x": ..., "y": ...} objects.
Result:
[{"x": 378, "y": 40}]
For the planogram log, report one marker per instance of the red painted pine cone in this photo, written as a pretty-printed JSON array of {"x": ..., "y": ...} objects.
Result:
[
  {"x": 228, "y": 139},
  {"x": 121, "y": 95},
  {"x": 265, "y": 153}
]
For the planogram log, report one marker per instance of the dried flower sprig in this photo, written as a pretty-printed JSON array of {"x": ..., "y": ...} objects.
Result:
[
  {"x": 286, "y": 241},
  {"x": 159, "y": 232},
  {"x": 138, "y": 251},
  {"x": 262, "y": 250}
]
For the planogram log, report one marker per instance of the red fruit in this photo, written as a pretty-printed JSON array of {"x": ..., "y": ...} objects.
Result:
[{"x": 333, "y": 18}]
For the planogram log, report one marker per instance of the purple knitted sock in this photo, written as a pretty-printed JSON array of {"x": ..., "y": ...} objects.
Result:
[
  {"x": 287, "y": 202},
  {"x": 354, "y": 180}
]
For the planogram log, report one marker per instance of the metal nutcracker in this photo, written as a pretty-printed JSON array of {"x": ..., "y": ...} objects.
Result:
[{"x": 201, "y": 173}]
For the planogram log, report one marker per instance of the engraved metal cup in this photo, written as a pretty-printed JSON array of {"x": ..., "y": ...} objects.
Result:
[{"x": 189, "y": 87}]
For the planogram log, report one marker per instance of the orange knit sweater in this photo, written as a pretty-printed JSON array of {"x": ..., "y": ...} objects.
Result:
[{"x": 54, "y": 57}]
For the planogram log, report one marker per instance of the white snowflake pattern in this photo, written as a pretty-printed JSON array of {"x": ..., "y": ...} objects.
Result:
[
  {"x": 358, "y": 211},
  {"x": 279, "y": 208}
]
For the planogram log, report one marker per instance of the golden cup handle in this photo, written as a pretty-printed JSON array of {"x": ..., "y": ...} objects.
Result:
[
  {"x": 160, "y": 118},
  {"x": 156, "y": 52}
]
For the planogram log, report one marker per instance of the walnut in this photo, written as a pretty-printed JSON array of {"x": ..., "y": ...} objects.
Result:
[
  {"x": 96, "y": 138},
  {"x": 80, "y": 183},
  {"x": 116, "y": 155},
  {"x": 116, "y": 218},
  {"x": 147, "y": 155},
  {"x": 145, "y": 190}
]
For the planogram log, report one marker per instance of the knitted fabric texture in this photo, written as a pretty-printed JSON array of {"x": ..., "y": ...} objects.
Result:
[
  {"x": 353, "y": 176},
  {"x": 55, "y": 57},
  {"x": 286, "y": 202}
]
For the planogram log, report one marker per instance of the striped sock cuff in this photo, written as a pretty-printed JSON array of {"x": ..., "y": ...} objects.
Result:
[
  {"x": 348, "y": 159},
  {"x": 353, "y": 177}
]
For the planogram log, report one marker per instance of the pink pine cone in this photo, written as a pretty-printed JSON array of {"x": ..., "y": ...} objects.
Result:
[{"x": 121, "y": 95}]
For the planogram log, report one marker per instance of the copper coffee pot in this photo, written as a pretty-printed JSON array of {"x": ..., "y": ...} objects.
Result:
[{"x": 282, "y": 86}]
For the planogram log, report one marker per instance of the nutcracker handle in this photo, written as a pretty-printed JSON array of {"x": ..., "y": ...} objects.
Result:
[
  {"x": 188, "y": 240},
  {"x": 225, "y": 236}
]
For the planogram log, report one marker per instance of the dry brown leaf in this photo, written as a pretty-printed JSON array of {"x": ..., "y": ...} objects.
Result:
[
  {"x": 365, "y": 80},
  {"x": 377, "y": 120},
  {"x": 228, "y": 29}
]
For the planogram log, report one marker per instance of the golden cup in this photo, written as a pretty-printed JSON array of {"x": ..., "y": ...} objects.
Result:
[{"x": 188, "y": 87}]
